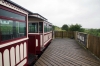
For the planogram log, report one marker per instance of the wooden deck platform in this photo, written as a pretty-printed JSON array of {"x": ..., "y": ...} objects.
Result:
[{"x": 66, "y": 52}]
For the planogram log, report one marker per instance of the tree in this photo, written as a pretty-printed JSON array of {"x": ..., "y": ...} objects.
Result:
[
  {"x": 53, "y": 27},
  {"x": 82, "y": 30},
  {"x": 95, "y": 32},
  {"x": 64, "y": 27},
  {"x": 76, "y": 27},
  {"x": 56, "y": 28}
]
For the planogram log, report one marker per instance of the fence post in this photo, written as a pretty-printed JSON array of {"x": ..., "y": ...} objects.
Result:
[
  {"x": 75, "y": 35},
  {"x": 87, "y": 40},
  {"x": 62, "y": 34}
]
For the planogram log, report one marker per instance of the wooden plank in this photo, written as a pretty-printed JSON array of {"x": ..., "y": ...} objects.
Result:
[
  {"x": 66, "y": 52},
  {"x": 41, "y": 63},
  {"x": 50, "y": 60},
  {"x": 94, "y": 45},
  {"x": 64, "y": 34},
  {"x": 46, "y": 62},
  {"x": 37, "y": 64},
  {"x": 61, "y": 60},
  {"x": 71, "y": 59},
  {"x": 99, "y": 47}
]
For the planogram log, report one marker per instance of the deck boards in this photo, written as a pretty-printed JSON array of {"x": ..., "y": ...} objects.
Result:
[{"x": 66, "y": 52}]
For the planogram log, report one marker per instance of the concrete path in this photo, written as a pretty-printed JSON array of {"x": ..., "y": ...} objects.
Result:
[{"x": 66, "y": 52}]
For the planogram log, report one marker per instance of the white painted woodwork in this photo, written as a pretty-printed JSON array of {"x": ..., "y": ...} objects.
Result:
[
  {"x": 22, "y": 63},
  {"x": 13, "y": 42},
  {"x": 47, "y": 38},
  {"x": 36, "y": 42},
  {"x": 25, "y": 50},
  {"x": 6, "y": 58},
  {"x": 0, "y": 59},
  {"x": 44, "y": 38},
  {"x": 21, "y": 51},
  {"x": 4, "y": 3},
  {"x": 12, "y": 56},
  {"x": 41, "y": 40},
  {"x": 17, "y": 54}
]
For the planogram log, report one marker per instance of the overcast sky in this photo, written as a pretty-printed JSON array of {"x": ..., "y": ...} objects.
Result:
[{"x": 59, "y": 12}]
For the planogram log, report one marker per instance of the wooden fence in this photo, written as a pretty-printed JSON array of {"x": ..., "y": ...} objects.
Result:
[
  {"x": 92, "y": 43},
  {"x": 63, "y": 34}
]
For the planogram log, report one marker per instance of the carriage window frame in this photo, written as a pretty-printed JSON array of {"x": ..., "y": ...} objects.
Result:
[
  {"x": 11, "y": 15},
  {"x": 50, "y": 27},
  {"x": 33, "y": 27},
  {"x": 40, "y": 27},
  {"x": 14, "y": 20},
  {"x": 47, "y": 27}
]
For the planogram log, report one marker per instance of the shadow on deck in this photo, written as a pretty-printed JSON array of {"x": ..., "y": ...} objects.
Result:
[{"x": 66, "y": 52}]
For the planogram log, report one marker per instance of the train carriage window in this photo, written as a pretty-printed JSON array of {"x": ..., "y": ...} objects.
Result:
[
  {"x": 50, "y": 26},
  {"x": 11, "y": 15},
  {"x": 22, "y": 27},
  {"x": 33, "y": 27},
  {"x": 45, "y": 27},
  {"x": 6, "y": 29},
  {"x": 40, "y": 27},
  {"x": 12, "y": 25},
  {"x": 11, "y": 29}
]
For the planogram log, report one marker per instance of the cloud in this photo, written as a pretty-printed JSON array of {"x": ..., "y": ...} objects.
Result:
[{"x": 59, "y": 12}]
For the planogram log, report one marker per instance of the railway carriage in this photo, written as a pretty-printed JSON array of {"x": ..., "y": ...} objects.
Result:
[
  {"x": 13, "y": 34},
  {"x": 40, "y": 33}
]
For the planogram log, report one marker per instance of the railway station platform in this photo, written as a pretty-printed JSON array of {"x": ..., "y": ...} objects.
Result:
[{"x": 66, "y": 52}]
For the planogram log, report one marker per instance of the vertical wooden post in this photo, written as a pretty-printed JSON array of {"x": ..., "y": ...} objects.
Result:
[
  {"x": 87, "y": 41},
  {"x": 99, "y": 47},
  {"x": 76, "y": 35},
  {"x": 62, "y": 34}
]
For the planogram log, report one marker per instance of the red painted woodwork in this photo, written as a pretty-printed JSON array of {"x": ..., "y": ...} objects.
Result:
[
  {"x": 14, "y": 46},
  {"x": 38, "y": 48},
  {"x": 8, "y": 9},
  {"x": 6, "y": 41},
  {"x": 48, "y": 38},
  {"x": 47, "y": 43},
  {"x": 14, "y": 52},
  {"x": 7, "y": 18},
  {"x": 32, "y": 44}
]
